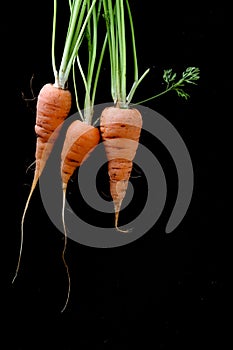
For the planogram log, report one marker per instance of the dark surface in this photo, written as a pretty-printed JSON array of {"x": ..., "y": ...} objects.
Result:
[{"x": 162, "y": 291}]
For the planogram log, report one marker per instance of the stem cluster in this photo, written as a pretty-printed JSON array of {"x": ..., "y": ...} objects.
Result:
[
  {"x": 83, "y": 23},
  {"x": 116, "y": 30},
  {"x": 75, "y": 32}
]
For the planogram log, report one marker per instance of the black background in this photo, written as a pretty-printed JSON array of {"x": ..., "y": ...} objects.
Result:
[{"x": 162, "y": 291}]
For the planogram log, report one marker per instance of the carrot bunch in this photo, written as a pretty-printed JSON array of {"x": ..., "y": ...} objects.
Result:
[{"x": 120, "y": 124}]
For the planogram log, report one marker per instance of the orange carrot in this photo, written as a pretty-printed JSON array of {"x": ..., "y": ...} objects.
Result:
[
  {"x": 80, "y": 140},
  {"x": 54, "y": 101},
  {"x": 82, "y": 137},
  {"x": 120, "y": 131},
  {"x": 53, "y": 106}
]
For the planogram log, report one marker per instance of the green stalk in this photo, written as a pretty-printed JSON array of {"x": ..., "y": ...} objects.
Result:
[
  {"x": 68, "y": 42},
  {"x": 189, "y": 76},
  {"x": 135, "y": 86},
  {"x": 91, "y": 78},
  {"x": 98, "y": 70},
  {"x": 110, "y": 23},
  {"x": 120, "y": 29},
  {"x": 70, "y": 4},
  {"x": 53, "y": 41},
  {"x": 152, "y": 97},
  {"x": 87, "y": 95},
  {"x": 116, "y": 29},
  {"x": 133, "y": 42},
  {"x": 78, "y": 42},
  {"x": 77, "y": 25},
  {"x": 76, "y": 95},
  {"x": 92, "y": 47}
]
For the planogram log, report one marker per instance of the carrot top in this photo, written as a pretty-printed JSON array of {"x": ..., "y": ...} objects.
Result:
[
  {"x": 93, "y": 66},
  {"x": 116, "y": 29},
  {"x": 77, "y": 23}
]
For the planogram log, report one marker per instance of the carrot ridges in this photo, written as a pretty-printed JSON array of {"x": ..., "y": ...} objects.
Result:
[
  {"x": 120, "y": 131},
  {"x": 81, "y": 139},
  {"x": 53, "y": 106}
]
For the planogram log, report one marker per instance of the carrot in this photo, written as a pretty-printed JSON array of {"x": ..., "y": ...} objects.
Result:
[
  {"x": 53, "y": 106},
  {"x": 120, "y": 131},
  {"x": 54, "y": 100},
  {"x": 82, "y": 136},
  {"x": 80, "y": 140},
  {"x": 120, "y": 126}
]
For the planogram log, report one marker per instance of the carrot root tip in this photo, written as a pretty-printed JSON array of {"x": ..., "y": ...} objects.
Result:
[
  {"x": 121, "y": 230},
  {"x": 116, "y": 224},
  {"x": 14, "y": 278}
]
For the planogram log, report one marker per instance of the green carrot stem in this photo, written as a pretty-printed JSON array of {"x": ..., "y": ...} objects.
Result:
[
  {"x": 76, "y": 93},
  {"x": 120, "y": 22},
  {"x": 116, "y": 29},
  {"x": 133, "y": 42},
  {"x": 68, "y": 42},
  {"x": 98, "y": 69},
  {"x": 152, "y": 97},
  {"x": 74, "y": 37},
  {"x": 135, "y": 85},
  {"x": 53, "y": 41},
  {"x": 90, "y": 79}
]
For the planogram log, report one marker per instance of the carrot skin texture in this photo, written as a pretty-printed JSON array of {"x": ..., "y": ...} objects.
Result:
[
  {"x": 80, "y": 141},
  {"x": 53, "y": 107},
  {"x": 120, "y": 131}
]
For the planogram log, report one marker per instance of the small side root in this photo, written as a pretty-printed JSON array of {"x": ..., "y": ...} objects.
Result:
[{"x": 29, "y": 167}]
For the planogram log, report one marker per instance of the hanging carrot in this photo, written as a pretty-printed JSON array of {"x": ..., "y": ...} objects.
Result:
[
  {"x": 121, "y": 124},
  {"x": 54, "y": 100},
  {"x": 82, "y": 136}
]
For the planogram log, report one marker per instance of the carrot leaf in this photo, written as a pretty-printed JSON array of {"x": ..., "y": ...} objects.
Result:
[{"x": 189, "y": 76}]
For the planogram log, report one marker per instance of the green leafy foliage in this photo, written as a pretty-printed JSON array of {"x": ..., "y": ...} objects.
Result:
[{"x": 189, "y": 76}]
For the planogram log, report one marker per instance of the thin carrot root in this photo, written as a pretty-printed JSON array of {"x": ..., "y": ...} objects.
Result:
[
  {"x": 80, "y": 141},
  {"x": 116, "y": 223},
  {"x": 64, "y": 251},
  {"x": 33, "y": 186},
  {"x": 120, "y": 130},
  {"x": 30, "y": 166},
  {"x": 53, "y": 106},
  {"x": 118, "y": 190}
]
